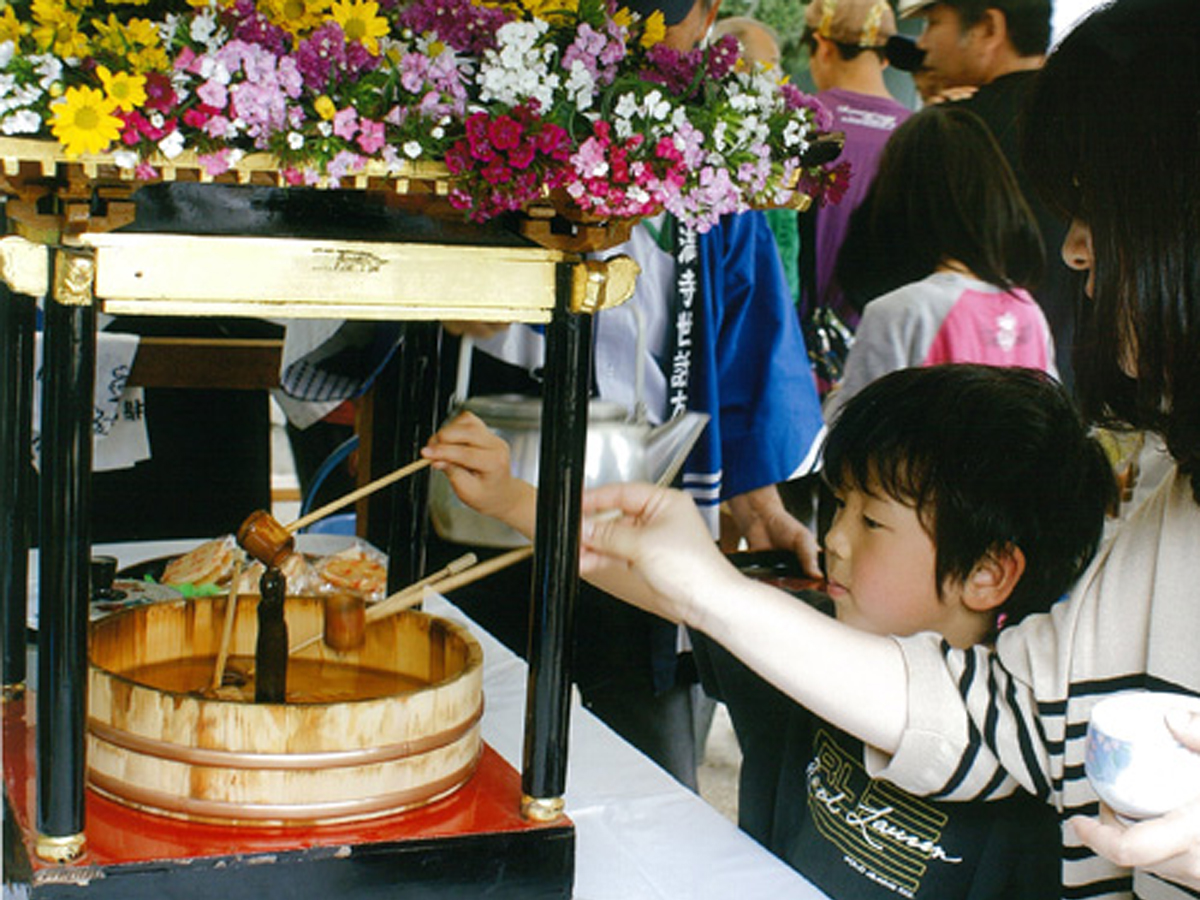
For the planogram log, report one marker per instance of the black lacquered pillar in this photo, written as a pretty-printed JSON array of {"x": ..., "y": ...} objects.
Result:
[
  {"x": 416, "y": 420},
  {"x": 68, "y": 376},
  {"x": 556, "y": 557},
  {"x": 17, "y": 324}
]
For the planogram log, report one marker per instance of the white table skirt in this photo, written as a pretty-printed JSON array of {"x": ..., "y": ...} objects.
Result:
[{"x": 640, "y": 835}]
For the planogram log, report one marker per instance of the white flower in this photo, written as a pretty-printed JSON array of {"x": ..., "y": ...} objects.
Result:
[
  {"x": 437, "y": 132},
  {"x": 212, "y": 70},
  {"x": 656, "y": 106},
  {"x": 718, "y": 135},
  {"x": 627, "y": 106},
  {"x": 204, "y": 27},
  {"x": 794, "y": 133},
  {"x": 412, "y": 149},
  {"x": 172, "y": 145},
  {"x": 235, "y": 156},
  {"x": 24, "y": 121},
  {"x": 581, "y": 86},
  {"x": 50, "y": 68},
  {"x": 156, "y": 119},
  {"x": 125, "y": 159},
  {"x": 295, "y": 140},
  {"x": 8, "y": 50},
  {"x": 325, "y": 129}
]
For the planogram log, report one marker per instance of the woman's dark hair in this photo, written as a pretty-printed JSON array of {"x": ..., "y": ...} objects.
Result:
[
  {"x": 989, "y": 457},
  {"x": 1115, "y": 142},
  {"x": 943, "y": 191}
]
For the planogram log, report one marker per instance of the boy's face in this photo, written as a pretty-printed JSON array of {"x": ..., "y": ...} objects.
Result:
[{"x": 882, "y": 571}]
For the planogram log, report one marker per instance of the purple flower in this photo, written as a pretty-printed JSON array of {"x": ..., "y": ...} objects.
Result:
[
  {"x": 462, "y": 24},
  {"x": 253, "y": 27},
  {"x": 317, "y": 57}
]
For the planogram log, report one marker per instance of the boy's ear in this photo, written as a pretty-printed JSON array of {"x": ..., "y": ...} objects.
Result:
[{"x": 992, "y": 580}]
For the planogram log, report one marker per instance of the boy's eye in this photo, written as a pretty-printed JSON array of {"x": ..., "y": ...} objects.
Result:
[
  {"x": 872, "y": 523},
  {"x": 839, "y": 502}
]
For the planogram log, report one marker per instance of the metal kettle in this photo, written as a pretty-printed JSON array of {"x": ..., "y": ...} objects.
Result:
[{"x": 621, "y": 446}]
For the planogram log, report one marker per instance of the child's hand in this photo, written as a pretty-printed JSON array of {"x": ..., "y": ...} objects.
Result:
[{"x": 477, "y": 463}]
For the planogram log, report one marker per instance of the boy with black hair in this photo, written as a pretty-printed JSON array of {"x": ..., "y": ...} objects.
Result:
[{"x": 968, "y": 497}]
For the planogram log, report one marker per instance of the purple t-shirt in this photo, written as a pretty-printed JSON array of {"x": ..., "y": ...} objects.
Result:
[{"x": 867, "y": 122}]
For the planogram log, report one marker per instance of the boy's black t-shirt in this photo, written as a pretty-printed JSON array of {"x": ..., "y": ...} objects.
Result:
[{"x": 805, "y": 794}]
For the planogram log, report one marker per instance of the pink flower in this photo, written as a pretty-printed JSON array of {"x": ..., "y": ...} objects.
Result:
[
  {"x": 213, "y": 93},
  {"x": 372, "y": 136},
  {"x": 345, "y": 123},
  {"x": 215, "y": 163}
]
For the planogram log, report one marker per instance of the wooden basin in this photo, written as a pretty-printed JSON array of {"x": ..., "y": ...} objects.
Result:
[{"x": 390, "y": 726}]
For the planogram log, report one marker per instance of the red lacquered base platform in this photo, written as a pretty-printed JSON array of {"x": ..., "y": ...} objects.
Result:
[{"x": 473, "y": 843}]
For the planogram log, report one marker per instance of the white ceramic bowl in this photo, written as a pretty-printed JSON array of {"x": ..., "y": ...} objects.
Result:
[{"x": 1133, "y": 761}]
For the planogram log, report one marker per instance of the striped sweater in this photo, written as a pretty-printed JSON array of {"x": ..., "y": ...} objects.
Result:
[{"x": 982, "y": 721}]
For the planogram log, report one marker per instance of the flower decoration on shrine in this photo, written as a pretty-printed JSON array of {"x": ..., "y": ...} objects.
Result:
[{"x": 573, "y": 99}]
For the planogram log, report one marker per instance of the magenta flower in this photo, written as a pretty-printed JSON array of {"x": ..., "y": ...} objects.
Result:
[
  {"x": 522, "y": 156},
  {"x": 160, "y": 96},
  {"x": 504, "y": 132}
]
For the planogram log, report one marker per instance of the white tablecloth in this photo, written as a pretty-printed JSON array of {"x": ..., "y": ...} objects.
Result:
[{"x": 640, "y": 835}]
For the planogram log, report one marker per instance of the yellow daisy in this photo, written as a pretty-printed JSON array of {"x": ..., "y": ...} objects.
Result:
[
  {"x": 655, "y": 30},
  {"x": 150, "y": 59},
  {"x": 297, "y": 16},
  {"x": 84, "y": 121},
  {"x": 360, "y": 22},
  {"x": 56, "y": 30},
  {"x": 10, "y": 26},
  {"x": 126, "y": 91}
]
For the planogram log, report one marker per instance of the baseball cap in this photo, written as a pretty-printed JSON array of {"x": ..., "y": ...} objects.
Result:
[
  {"x": 912, "y": 7},
  {"x": 673, "y": 11},
  {"x": 859, "y": 23},
  {"x": 903, "y": 53}
]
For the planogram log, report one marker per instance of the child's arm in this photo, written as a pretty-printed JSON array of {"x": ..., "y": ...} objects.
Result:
[{"x": 477, "y": 463}]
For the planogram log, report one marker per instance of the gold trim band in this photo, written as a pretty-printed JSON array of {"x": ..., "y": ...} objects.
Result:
[
  {"x": 299, "y": 813},
  {"x": 232, "y": 759}
]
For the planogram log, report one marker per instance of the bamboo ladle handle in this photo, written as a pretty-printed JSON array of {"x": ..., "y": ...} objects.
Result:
[{"x": 367, "y": 489}]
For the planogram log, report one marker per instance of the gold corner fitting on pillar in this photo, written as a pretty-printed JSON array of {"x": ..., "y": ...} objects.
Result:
[
  {"x": 14, "y": 691},
  {"x": 74, "y": 273},
  {"x": 60, "y": 849},
  {"x": 542, "y": 809},
  {"x": 602, "y": 284}
]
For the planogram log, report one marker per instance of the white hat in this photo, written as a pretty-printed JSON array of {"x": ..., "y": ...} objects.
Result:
[{"x": 912, "y": 7}]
